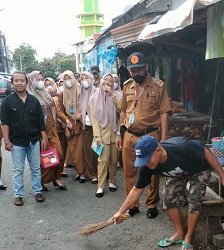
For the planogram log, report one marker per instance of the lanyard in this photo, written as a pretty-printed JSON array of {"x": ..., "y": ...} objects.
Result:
[{"x": 137, "y": 96}]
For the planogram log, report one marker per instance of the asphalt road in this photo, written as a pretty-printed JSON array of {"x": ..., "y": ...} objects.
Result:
[{"x": 51, "y": 225}]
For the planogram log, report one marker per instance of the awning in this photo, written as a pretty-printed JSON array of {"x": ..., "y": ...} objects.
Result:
[
  {"x": 129, "y": 32},
  {"x": 174, "y": 20}
]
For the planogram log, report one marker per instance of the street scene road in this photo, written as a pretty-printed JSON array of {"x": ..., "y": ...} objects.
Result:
[{"x": 52, "y": 225}]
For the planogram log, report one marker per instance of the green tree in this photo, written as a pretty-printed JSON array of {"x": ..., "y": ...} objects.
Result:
[
  {"x": 52, "y": 67},
  {"x": 48, "y": 68},
  {"x": 68, "y": 63},
  {"x": 24, "y": 58}
]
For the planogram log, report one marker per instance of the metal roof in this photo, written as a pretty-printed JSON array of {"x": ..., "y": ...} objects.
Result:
[{"x": 129, "y": 32}]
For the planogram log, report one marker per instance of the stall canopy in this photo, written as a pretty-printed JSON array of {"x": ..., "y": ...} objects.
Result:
[{"x": 174, "y": 20}]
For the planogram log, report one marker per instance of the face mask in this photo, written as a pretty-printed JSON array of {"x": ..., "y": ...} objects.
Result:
[
  {"x": 40, "y": 85},
  {"x": 85, "y": 84},
  {"x": 61, "y": 88},
  {"x": 49, "y": 89},
  {"x": 68, "y": 84},
  {"x": 139, "y": 79},
  {"x": 116, "y": 86}
]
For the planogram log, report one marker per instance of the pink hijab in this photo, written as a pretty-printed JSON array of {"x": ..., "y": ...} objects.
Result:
[
  {"x": 85, "y": 96},
  {"x": 104, "y": 109}
]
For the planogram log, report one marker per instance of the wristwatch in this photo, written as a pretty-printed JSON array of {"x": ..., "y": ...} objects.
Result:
[{"x": 118, "y": 133}]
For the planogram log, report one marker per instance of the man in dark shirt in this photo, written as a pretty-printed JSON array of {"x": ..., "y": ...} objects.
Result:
[
  {"x": 95, "y": 71},
  {"x": 23, "y": 127},
  {"x": 180, "y": 160}
]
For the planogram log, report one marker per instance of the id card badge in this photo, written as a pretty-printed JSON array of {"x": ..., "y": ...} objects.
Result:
[
  {"x": 71, "y": 109},
  {"x": 131, "y": 119}
]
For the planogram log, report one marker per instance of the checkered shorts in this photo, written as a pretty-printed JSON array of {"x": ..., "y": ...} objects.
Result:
[{"x": 175, "y": 193}]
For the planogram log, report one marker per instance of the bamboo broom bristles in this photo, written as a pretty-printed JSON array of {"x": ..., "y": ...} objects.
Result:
[{"x": 92, "y": 228}]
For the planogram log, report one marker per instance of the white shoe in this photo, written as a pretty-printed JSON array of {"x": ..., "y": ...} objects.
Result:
[
  {"x": 99, "y": 193},
  {"x": 99, "y": 190},
  {"x": 112, "y": 187}
]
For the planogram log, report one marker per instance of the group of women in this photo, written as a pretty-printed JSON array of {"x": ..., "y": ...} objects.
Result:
[{"x": 75, "y": 114}]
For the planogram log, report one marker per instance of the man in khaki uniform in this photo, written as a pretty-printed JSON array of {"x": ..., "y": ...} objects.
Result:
[{"x": 144, "y": 110}]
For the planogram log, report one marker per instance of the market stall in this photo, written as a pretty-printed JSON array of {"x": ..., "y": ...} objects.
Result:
[{"x": 191, "y": 124}]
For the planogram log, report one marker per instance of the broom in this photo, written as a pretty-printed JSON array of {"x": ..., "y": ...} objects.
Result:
[{"x": 92, "y": 228}]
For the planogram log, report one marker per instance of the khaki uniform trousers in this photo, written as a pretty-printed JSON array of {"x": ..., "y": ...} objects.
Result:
[
  {"x": 107, "y": 160},
  {"x": 131, "y": 172}
]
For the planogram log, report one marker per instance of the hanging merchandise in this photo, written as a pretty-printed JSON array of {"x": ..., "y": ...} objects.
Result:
[{"x": 215, "y": 31}]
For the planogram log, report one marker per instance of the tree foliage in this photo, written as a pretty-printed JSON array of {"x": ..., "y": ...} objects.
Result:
[
  {"x": 52, "y": 67},
  {"x": 24, "y": 58}
]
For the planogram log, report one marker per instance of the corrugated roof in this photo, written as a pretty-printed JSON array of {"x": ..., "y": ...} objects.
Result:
[{"x": 129, "y": 32}]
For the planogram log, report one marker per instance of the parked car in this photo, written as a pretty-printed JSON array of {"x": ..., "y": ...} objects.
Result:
[{"x": 5, "y": 85}]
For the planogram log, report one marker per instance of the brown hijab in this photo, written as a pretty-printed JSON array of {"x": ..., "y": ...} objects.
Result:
[
  {"x": 71, "y": 95},
  {"x": 104, "y": 109}
]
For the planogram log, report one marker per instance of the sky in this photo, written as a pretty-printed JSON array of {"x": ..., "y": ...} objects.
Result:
[{"x": 49, "y": 25}]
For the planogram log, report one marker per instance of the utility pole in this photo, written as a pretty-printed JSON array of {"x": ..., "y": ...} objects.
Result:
[{"x": 21, "y": 62}]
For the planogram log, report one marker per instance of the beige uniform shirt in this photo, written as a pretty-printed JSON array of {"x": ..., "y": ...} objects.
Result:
[{"x": 153, "y": 102}]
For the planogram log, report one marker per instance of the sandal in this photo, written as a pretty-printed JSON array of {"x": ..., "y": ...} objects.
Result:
[
  {"x": 168, "y": 242},
  {"x": 186, "y": 245}
]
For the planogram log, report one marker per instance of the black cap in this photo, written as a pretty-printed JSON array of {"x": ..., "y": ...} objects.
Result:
[
  {"x": 94, "y": 69},
  {"x": 136, "y": 60}
]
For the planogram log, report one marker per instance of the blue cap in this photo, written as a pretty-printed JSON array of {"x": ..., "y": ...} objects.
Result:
[
  {"x": 144, "y": 148},
  {"x": 136, "y": 60}
]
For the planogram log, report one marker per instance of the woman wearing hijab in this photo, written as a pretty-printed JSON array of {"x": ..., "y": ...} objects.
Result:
[
  {"x": 87, "y": 90},
  {"x": 52, "y": 89},
  {"x": 104, "y": 118},
  {"x": 117, "y": 86},
  {"x": 69, "y": 104},
  {"x": 36, "y": 88}
]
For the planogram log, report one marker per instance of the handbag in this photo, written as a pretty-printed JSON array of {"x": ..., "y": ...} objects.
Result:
[
  {"x": 218, "y": 148},
  {"x": 49, "y": 157}
]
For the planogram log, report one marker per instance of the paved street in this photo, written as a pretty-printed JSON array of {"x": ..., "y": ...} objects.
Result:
[{"x": 51, "y": 225}]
